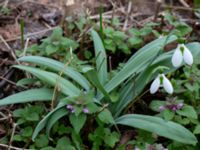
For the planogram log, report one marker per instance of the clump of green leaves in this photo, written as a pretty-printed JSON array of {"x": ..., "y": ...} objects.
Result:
[
  {"x": 176, "y": 26},
  {"x": 5, "y": 11},
  {"x": 56, "y": 45},
  {"x": 103, "y": 137},
  {"x": 26, "y": 119},
  {"x": 174, "y": 110},
  {"x": 30, "y": 113}
]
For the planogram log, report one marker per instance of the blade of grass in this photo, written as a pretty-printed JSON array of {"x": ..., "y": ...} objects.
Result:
[{"x": 22, "y": 33}]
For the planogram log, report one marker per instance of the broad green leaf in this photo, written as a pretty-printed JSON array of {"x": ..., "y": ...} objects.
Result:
[
  {"x": 58, "y": 66},
  {"x": 41, "y": 94},
  {"x": 101, "y": 58},
  {"x": 197, "y": 129},
  {"x": 44, "y": 121},
  {"x": 65, "y": 86},
  {"x": 50, "y": 49},
  {"x": 77, "y": 121},
  {"x": 64, "y": 144},
  {"x": 187, "y": 111},
  {"x": 27, "y": 131},
  {"x": 181, "y": 120},
  {"x": 106, "y": 117},
  {"x": 111, "y": 139},
  {"x": 59, "y": 113},
  {"x": 41, "y": 141},
  {"x": 159, "y": 126},
  {"x": 168, "y": 114},
  {"x": 155, "y": 104},
  {"x": 18, "y": 138},
  {"x": 110, "y": 45},
  {"x": 134, "y": 41},
  {"x": 57, "y": 34}
]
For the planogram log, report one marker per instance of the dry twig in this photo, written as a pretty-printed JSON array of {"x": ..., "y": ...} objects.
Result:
[
  {"x": 30, "y": 34},
  {"x": 127, "y": 16},
  {"x": 10, "y": 49},
  {"x": 12, "y": 135},
  {"x": 12, "y": 147},
  {"x": 184, "y": 3}
]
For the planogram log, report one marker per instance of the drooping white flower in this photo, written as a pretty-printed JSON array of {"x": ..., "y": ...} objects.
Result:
[
  {"x": 161, "y": 81},
  {"x": 182, "y": 53}
]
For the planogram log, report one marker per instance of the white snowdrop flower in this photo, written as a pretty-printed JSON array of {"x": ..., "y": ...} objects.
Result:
[
  {"x": 161, "y": 81},
  {"x": 182, "y": 53}
]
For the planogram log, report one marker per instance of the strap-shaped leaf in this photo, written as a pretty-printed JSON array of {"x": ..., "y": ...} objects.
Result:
[
  {"x": 93, "y": 78},
  {"x": 54, "y": 118},
  {"x": 137, "y": 63},
  {"x": 41, "y": 94},
  {"x": 53, "y": 79},
  {"x": 159, "y": 126},
  {"x": 44, "y": 121},
  {"x": 58, "y": 66},
  {"x": 101, "y": 58}
]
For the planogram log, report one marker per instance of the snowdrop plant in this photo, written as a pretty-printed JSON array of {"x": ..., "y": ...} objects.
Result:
[
  {"x": 96, "y": 80},
  {"x": 161, "y": 81},
  {"x": 182, "y": 53}
]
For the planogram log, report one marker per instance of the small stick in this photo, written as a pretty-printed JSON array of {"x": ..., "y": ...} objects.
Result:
[
  {"x": 12, "y": 135},
  {"x": 12, "y": 147},
  {"x": 11, "y": 82},
  {"x": 56, "y": 88},
  {"x": 106, "y": 13},
  {"x": 127, "y": 16},
  {"x": 10, "y": 49},
  {"x": 25, "y": 47},
  {"x": 159, "y": 2},
  {"x": 184, "y": 3},
  {"x": 29, "y": 34},
  {"x": 5, "y": 3}
]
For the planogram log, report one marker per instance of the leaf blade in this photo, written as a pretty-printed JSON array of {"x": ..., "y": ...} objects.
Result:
[
  {"x": 101, "y": 58},
  {"x": 44, "y": 121},
  {"x": 61, "y": 112},
  {"x": 159, "y": 126},
  {"x": 41, "y": 94},
  {"x": 58, "y": 66},
  {"x": 52, "y": 79}
]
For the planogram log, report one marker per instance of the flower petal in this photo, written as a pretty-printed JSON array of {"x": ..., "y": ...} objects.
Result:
[
  {"x": 177, "y": 57},
  {"x": 187, "y": 56},
  {"x": 155, "y": 85},
  {"x": 167, "y": 85}
]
